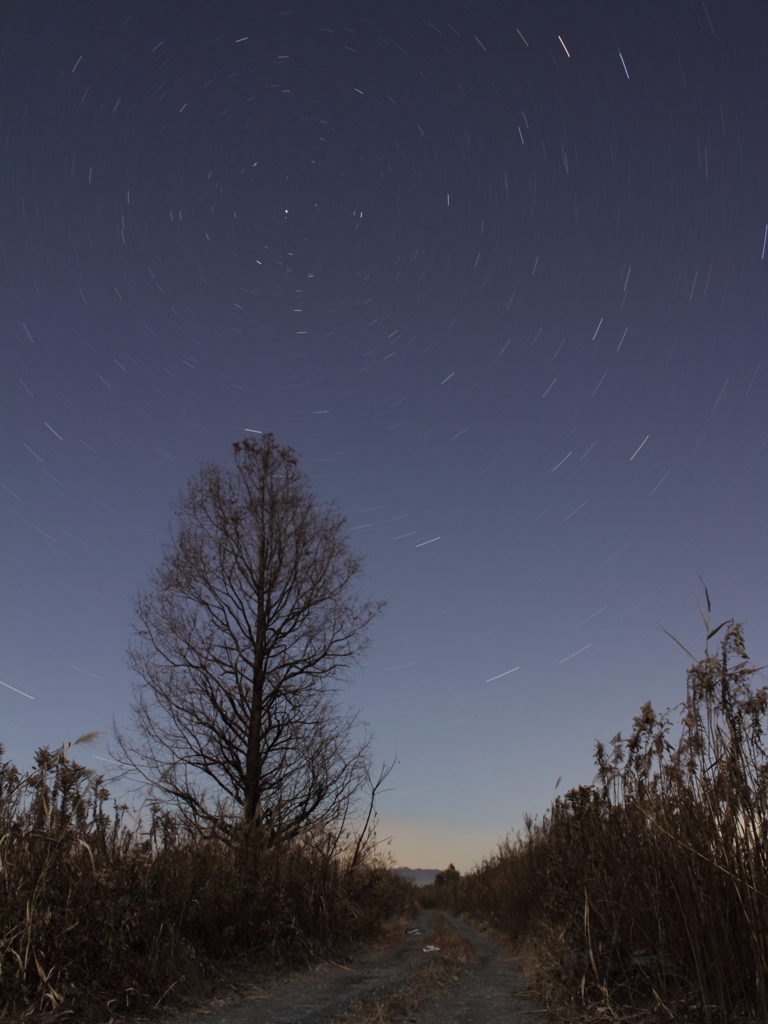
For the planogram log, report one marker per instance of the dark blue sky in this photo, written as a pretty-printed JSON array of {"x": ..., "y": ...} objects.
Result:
[{"x": 496, "y": 271}]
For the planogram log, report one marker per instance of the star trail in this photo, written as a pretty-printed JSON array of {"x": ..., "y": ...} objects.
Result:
[{"x": 497, "y": 271}]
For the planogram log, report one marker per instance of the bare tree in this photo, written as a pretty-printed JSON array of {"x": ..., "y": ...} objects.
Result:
[{"x": 242, "y": 639}]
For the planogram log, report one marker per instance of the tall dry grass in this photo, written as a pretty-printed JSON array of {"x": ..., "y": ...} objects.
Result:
[
  {"x": 649, "y": 888},
  {"x": 97, "y": 918}
]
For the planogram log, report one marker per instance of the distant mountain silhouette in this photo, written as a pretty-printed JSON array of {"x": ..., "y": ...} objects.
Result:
[{"x": 419, "y": 876}]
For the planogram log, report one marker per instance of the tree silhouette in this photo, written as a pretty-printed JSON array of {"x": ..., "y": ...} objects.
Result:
[
  {"x": 450, "y": 874},
  {"x": 242, "y": 640}
]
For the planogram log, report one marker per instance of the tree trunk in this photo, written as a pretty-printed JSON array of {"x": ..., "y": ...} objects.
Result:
[{"x": 252, "y": 809}]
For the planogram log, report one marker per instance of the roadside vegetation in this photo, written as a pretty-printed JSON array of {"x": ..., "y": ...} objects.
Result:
[
  {"x": 647, "y": 891},
  {"x": 100, "y": 917}
]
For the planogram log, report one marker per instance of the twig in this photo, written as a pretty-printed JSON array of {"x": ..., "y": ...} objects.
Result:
[{"x": 162, "y": 997}]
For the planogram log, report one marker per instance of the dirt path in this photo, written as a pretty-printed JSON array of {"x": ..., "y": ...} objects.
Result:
[{"x": 490, "y": 992}]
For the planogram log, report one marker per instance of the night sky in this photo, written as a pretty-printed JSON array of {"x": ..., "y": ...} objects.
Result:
[{"x": 497, "y": 271}]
